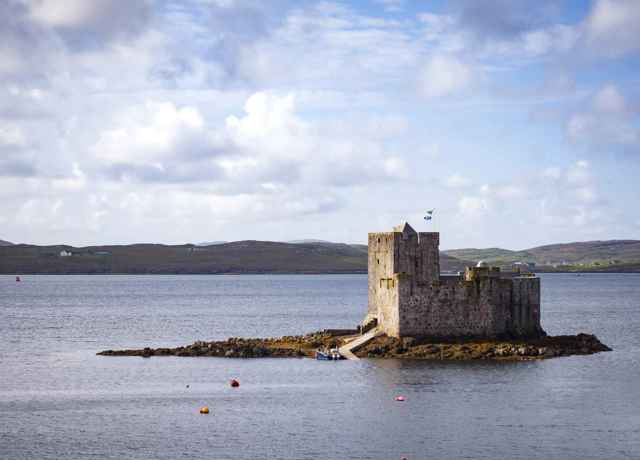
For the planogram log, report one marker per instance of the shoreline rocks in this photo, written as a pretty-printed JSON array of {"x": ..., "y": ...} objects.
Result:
[
  {"x": 236, "y": 347},
  {"x": 463, "y": 350},
  {"x": 383, "y": 347}
]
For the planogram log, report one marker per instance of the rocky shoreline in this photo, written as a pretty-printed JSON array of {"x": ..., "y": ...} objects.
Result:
[
  {"x": 383, "y": 347},
  {"x": 512, "y": 350}
]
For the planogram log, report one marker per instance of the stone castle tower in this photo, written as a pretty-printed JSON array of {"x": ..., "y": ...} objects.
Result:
[{"x": 408, "y": 297}]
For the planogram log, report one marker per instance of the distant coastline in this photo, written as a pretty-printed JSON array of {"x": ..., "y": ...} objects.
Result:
[
  {"x": 283, "y": 273},
  {"x": 308, "y": 257}
]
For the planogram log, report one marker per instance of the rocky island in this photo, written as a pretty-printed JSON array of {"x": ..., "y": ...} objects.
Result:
[
  {"x": 382, "y": 347},
  {"x": 414, "y": 311}
]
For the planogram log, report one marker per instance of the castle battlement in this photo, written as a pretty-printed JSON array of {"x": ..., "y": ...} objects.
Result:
[{"x": 409, "y": 297}]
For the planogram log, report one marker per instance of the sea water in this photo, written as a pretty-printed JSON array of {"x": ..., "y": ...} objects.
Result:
[{"x": 58, "y": 400}]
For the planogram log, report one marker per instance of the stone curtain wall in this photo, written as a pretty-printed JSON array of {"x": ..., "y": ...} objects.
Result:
[{"x": 486, "y": 307}]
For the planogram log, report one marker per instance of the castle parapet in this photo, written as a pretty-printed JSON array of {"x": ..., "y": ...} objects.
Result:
[{"x": 475, "y": 273}]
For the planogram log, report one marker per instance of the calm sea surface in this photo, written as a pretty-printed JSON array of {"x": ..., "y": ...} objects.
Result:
[{"x": 60, "y": 401}]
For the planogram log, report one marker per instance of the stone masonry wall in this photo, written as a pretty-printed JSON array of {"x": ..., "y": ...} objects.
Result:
[
  {"x": 486, "y": 307},
  {"x": 409, "y": 297},
  {"x": 383, "y": 295},
  {"x": 525, "y": 306},
  {"x": 417, "y": 255},
  {"x": 428, "y": 258}
]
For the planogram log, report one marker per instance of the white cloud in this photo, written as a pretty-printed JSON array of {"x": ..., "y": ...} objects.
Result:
[
  {"x": 457, "y": 181},
  {"x": 315, "y": 45},
  {"x": 150, "y": 134},
  {"x": 609, "y": 99},
  {"x": 513, "y": 30},
  {"x": 556, "y": 39},
  {"x": 473, "y": 207},
  {"x": 606, "y": 124},
  {"x": 586, "y": 195},
  {"x": 391, "y": 5},
  {"x": 510, "y": 191},
  {"x": 12, "y": 136},
  {"x": 267, "y": 150},
  {"x": 395, "y": 167},
  {"x": 91, "y": 23},
  {"x": 579, "y": 173},
  {"x": 269, "y": 127},
  {"x": 70, "y": 13},
  {"x": 612, "y": 27},
  {"x": 11, "y": 62},
  {"x": 77, "y": 180},
  {"x": 445, "y": 75},
  {"x": 187, "y": 117},
  {"x": 275, "y": 144},
  {"x": 222, "y": 3},
  {"x": 552, "y": 173},
  {"x": 563, "y": 201}
]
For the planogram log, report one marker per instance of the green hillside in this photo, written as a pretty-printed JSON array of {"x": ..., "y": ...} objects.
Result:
[
  {"x": 311, "y": 257},
  {"x": 236, "y": 257},
  {"x": 493, "y": 255},
  {"x": 589, "y": 252},
  {"x": 588, "y": 255}
]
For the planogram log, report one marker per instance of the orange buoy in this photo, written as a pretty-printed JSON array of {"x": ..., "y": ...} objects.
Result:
[
  {"x": 234, "y": 383},
  {"x": 204, "y": 410},
  {"x": 399, "y": 398}
]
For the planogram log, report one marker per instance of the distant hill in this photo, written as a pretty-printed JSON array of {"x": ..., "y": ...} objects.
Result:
[
  {"x": 300, "y": 257},
  {"x": 589, "y": 254},
  {"x": 360, "y": 247},
  {"x": 589, "y": 251},
  {"x": 5, "y": 243},
  {"x": 451, "y": 264},
  {"x": 491, "y": 255},
  {"x": 235, "y": 257}
]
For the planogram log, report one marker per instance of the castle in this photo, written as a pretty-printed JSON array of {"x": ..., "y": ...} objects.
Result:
[{"x": 408, "y": 297}]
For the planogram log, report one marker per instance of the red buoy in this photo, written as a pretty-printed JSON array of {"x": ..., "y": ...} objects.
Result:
[
  {"x": 235, "y": 383},
  {"x": 399, "y": 398}
]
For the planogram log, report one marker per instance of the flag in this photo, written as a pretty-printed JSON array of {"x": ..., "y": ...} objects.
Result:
[{"x": 429, "y": 215}]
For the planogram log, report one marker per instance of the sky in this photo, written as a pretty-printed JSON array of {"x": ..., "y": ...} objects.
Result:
[{"x": 188, "y": 121}]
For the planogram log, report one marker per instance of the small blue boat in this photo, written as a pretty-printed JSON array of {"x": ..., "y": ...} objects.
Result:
[{"x": 331, "y": 355}]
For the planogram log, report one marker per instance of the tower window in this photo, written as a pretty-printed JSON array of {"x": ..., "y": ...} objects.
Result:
[{"x": 387, "y": 283}]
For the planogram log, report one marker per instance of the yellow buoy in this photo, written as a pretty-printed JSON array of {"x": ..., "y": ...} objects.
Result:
[{"x": 204, "y": 410}]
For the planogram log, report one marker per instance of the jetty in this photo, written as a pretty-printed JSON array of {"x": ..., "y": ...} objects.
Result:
[{"x": 351, "y": 345}]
